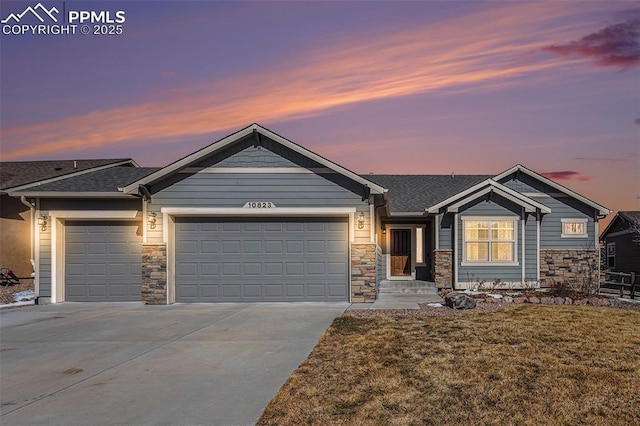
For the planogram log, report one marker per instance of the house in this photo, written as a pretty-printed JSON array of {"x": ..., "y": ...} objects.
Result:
[
  {"x": 255, "y": 217},
  {"x": 16, "y": 214},
  {"x": 621, "y": 241}
]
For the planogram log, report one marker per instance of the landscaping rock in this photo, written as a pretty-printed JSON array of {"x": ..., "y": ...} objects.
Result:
[
  {"x": 568, "y": 301},
  {"x": 520, "y": 299},
  {"x": 594, "y": 301},
  {"x": 559, "y": 300},
  {"x": 507, "y": 299},
  {"x": 580, "y": 302},
  {"x": 546, "y": 300},
  {"x": 605, "y": 302},
  {"x": 533, "y": 299},
  {"x": 459, "y": 301}
]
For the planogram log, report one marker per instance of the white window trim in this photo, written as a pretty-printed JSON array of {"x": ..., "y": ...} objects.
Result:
[
  {"x": 513, "y": 219},
  {"x": 574, "y": 220}
]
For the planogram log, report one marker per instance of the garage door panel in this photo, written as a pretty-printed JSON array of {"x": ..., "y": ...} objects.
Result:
[
  {"x": 262, "y": 259},
  {"x": 103, "y": 261}
]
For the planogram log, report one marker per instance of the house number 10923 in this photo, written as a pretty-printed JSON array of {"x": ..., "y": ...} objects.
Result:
[{"x": 259, "y": 205}]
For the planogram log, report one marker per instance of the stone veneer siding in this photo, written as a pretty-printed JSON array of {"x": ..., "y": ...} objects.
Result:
[
  {"x": 567, "y": 264},
  {"x": 154, "y": 274},
  {"x": 363, "y": 272},
  {"x": 443, "y": 273}
]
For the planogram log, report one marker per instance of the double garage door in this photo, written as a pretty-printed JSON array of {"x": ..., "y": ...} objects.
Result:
[
  {"x": 217, "y": 260},
  {"x": 254, "y": 260}
]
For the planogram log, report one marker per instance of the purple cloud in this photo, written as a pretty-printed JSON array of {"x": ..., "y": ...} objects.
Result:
[
  {"x": 637, "y": 121},
  {"x": 566, "y": 175},
  {"x": 617, "y": 45}
]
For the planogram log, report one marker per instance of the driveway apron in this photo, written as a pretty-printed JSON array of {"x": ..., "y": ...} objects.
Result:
[{"x": 127, "y": 363}]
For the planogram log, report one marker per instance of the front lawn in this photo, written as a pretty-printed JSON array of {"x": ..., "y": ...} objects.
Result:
[{"x": 521, "y": 365}]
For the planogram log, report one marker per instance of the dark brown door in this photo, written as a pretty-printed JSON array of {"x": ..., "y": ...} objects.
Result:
[{"x": 400, "y": 252}]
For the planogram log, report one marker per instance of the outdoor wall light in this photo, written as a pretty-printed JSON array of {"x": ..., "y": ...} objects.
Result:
[
  {"x": 42, "y": 222},
  {"x": 151, "y": 220},
  {"x": 384, "y": 229},
  {"x": 361, "y": 220}
]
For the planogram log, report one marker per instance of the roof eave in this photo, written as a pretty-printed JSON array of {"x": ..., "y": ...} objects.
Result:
[
  {"x": 69, "y": 175},
  {"x": 71, "y": 194},
  {"x": 223, "y": 143},
  {"x": 603, "y": 211}
]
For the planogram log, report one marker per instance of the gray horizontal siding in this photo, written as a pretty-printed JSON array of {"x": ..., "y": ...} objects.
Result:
[
  {"x": 444, "y": 225},
  {"x": 225, "y": 190},
  {"x": 561, "y": 207},
  {"x": 489, "y": 274},
  {"x": 133, "y": 203},
  {"x": 44, "y": 264},
  {"x": 531, "y": 249}
]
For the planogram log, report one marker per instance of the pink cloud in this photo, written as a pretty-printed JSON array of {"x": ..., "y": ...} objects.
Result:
[
  {"x": 168, "y": 73},
  {"x": 613, "y": 46},
  {"x": 567, "y": 175},
  {"x": 354, "y": 69}
]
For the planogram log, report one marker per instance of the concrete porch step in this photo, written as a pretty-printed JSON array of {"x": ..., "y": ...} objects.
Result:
[{"x": 407, "y": 287}]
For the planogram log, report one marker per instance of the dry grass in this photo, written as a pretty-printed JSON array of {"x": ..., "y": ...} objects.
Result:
[{"x": 528, "y": 365}]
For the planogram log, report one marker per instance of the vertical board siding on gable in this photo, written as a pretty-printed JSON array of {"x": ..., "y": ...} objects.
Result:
[
  {"x": 562, "y": 207},
  {"x": 489, "y": 274},
  {"x": 307, "y": 190}
]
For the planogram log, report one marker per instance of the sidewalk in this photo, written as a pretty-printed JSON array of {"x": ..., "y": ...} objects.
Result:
[{"x": 398, "y": 301}]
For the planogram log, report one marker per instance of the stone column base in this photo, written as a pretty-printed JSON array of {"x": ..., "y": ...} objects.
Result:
[
  {"x": 363, "y": 272},
  {"x": 443, "y": 270},
  {"x": 154, "y": 274}
]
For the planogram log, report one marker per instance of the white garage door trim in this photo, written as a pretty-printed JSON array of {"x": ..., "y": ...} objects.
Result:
[
  {"x": 58, "y": 257},
  {"x": 169, "y": 231}
]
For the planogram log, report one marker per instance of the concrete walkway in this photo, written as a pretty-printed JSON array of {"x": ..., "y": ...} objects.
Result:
[
  {"x": 398, "y": 301},
  {"x": 127, "y": 363}
]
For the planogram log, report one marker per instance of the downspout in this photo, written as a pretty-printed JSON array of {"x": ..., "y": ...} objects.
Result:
[{"x": 32, "y": 243}]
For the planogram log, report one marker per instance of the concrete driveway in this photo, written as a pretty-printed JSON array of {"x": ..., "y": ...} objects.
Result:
[{"x": 127, "y": 363}]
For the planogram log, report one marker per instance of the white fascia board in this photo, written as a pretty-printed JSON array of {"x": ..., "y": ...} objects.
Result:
[
  {"x": 375, "y": 188},
  {"x": 408, "y": 214},
  {"x": 189, "y": 159},
  {"x": 529, "y": 208},
  {"x": 601, "y": 209},
  {"x": 243, "y": 211},
  {"x": 69, "y": 175},
  {"x": 436, "y": 208},
  {"x": 217, "y": 146},
  {"x": 62, "y": 194},
  {"x": 94, "y": 214}
]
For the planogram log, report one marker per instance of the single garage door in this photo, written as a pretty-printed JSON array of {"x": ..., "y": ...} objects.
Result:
[
  {"x": 103, "y": 261},
  {"x": 254, "y": 260}
]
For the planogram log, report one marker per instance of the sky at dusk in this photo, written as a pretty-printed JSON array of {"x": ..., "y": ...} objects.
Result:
[{"x": 385, "y": 87}]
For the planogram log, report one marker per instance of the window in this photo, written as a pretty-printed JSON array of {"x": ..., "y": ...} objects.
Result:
[
  {"x": 419, "y": 246},
  {"x": 611, "y": 255},
  {"x": 489, "y": 241},
  {"x": 574, "y": 228}
]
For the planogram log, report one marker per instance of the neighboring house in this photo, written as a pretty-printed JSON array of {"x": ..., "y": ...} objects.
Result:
[
  {"x": 621, "y": 241},
  {"x": 255, "y": 217},
  {"x": 16, "y": 215}
]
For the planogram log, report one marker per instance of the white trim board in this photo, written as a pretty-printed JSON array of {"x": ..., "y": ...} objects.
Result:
[
  {"x": 249, "y": 212},
  {"x": 132, "y": 188}
]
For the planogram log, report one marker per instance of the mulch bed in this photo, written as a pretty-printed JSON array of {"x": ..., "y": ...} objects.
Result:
[{"x": 6, "y": 292}]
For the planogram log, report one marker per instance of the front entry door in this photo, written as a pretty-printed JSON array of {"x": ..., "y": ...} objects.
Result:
[{"x": 400, "y": 252}]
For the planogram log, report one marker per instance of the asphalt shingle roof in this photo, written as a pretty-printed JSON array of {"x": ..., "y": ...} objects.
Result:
[
  {"x": 631, "y": 216},
  {"x": 106, "y": 180},
  {"x": 414, "y": 193},
  {"x": 17, "y": 173}
]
